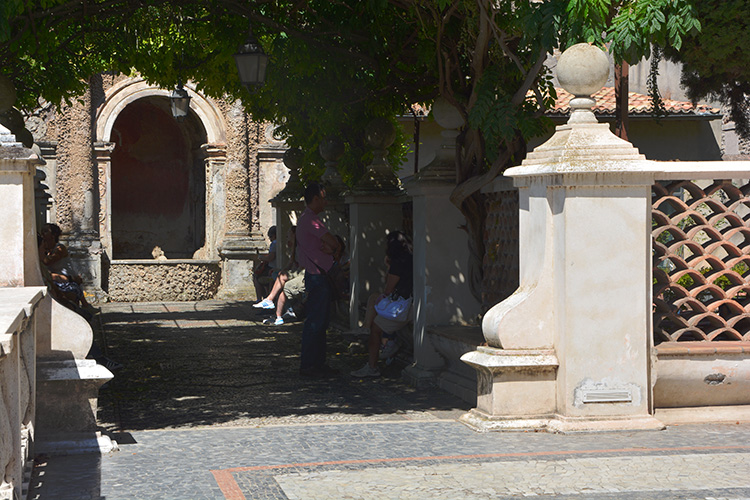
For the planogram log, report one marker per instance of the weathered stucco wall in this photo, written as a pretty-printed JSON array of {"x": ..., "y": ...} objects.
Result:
[{"x": 144, "y": 281}]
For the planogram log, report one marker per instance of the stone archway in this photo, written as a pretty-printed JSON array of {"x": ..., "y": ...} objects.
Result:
[
  {"x": 152, "y": 175},
  {"x": 157, "y": 182}
]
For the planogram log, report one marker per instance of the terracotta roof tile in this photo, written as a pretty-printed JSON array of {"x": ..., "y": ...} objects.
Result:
[{"x": 639, "y": 104}]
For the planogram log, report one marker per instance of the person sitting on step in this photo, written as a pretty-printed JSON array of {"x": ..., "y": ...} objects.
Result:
[
  {"x": 290, "y": 280},
  {"x": 399, "y": 282},
  {"x": 265, "y": 273},
  {"x": 54, "y": 255}
]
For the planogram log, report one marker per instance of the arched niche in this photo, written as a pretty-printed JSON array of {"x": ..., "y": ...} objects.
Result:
[{"x": 152, "y": 171}]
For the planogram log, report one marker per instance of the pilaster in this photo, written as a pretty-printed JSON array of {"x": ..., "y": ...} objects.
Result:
[{"x": 578, "y": 329}]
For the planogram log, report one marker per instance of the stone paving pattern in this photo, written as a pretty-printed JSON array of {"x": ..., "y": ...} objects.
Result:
[{"x": 209, "y": 406}]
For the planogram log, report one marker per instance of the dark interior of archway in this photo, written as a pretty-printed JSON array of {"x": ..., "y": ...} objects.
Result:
[{"x": 158, "y": 194}]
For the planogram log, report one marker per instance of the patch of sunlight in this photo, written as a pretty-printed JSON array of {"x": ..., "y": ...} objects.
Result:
[
  {"x": 264, "y": 339},
  {"x": 188, "y": 398}
]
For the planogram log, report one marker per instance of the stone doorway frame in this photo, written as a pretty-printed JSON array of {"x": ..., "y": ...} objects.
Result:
[{"x": 117, "y": 98}]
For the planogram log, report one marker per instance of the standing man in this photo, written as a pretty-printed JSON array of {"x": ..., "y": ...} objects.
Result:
[{"x": 312, "y": 235}]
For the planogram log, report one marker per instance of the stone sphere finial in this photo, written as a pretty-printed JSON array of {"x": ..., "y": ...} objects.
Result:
[
  {"x": 380, "y": 133},
  {"x": 446, "y": 115},
  {"x": 583, "y": 69},
  {"x": 293, "y": 159},
  {"x": 331, "y": 148}
]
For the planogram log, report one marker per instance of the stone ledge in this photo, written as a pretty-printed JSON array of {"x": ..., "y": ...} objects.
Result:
[
  {"x": 165, "y": 262},
  {"x": 732, "y": 414},
  {"x": 16, "y": 305},
  {"x": 511, "y": 359},
  {"x": 702, "y": 348}
]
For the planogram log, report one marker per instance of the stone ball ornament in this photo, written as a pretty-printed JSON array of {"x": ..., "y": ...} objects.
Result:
[
  {"x": 380, "y": 133},
  {"x": 331, "y": 148},
  {"x": 25, "y": 137},
  {"x": 446, "y": 115},
  {"x": 293, "y": 158},
  {"x": 583, "y": 69}
]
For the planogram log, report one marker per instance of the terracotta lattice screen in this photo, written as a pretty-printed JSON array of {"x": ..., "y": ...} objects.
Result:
[{"x": 701, "y": 252}]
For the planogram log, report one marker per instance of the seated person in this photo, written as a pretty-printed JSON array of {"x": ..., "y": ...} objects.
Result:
[
  {"x": 264, "y": 274},
  {"x": 398, "y": 283},
  {"x": 291, "y": 277},
  {"x": 54, "y": 255}
]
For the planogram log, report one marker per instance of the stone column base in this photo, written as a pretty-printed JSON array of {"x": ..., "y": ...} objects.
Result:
[
  {"x": 565, "y": 425},
  {"x": 67, "y": 396},
  {"x": 514, "y": 384},
  {"x": 482, "y": 422},
  {"x": 75, "y": 443}
]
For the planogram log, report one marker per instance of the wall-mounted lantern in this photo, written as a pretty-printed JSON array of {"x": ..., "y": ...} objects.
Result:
[{"x": 180, "y": 102}]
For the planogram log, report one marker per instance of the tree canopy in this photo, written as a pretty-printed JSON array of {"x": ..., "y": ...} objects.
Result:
[
  {"x": 716, "y": 60},
  {"x": 336, "y": 64}
]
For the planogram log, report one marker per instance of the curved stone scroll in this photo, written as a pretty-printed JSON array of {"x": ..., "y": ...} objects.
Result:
[
  {"x": 524, "y": 320},
  {"x": 66, "y": 336}
]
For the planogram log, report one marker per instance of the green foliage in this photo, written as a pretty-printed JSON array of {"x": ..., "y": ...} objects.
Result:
[
  {"x": 638, "y": 24},
  {"x": 716, "y": 60},
  {"x": 334, "y": 65}
]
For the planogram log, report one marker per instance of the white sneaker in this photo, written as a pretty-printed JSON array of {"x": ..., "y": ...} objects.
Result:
[
  {"x": 389, "y": 349},
  {"x": 265, "y": 304},
  {"x": 366, "y": 371},
  {"x": 279, "y": 321},
  {"x": 290, "y": 314}
]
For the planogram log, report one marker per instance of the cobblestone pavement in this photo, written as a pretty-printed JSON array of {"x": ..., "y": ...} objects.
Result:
[{"x": 209, "y": 406}]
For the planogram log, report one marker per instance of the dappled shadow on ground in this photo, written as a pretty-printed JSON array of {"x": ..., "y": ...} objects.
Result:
[{"x": 214, "y": 364}]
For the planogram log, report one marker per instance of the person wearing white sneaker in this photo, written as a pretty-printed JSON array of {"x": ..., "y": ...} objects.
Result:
[
  {"x": 265, "y": 273},
  {"x": 265, "y": 304},
  {"x": 290, "y": 276}
]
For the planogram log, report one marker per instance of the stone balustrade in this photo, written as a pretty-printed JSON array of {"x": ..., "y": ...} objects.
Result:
[{"x": 18, "y": 325}]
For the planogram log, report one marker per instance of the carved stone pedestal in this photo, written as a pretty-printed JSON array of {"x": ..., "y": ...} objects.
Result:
[
  {"x": 515, "y": 388},
  {"x": 238, "y": 259}
]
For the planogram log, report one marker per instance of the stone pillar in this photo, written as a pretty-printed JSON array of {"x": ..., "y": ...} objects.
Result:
[
  {"x": 103, "y": 155},
  {"x": 570, "y": 349},
  {"x": 215, "y": 158},
  {"x": 242, "y": 240},
  {"x": 272, "y": 177},
  {"x": 288, "y": 203},
  {"x": 77, "y": 190},
  {"x": 374, "y": 209},
  {"x": 20, "y": 265},
  {"x": 441, "y": 291}
]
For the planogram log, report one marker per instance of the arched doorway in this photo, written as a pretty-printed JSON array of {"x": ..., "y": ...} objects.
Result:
[{"x": 158, "y": 184}]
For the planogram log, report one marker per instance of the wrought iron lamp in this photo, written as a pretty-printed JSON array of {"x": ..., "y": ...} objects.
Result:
[
  {"x": 180, "y": 102},
  {"x": 251, "y": 61}
]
